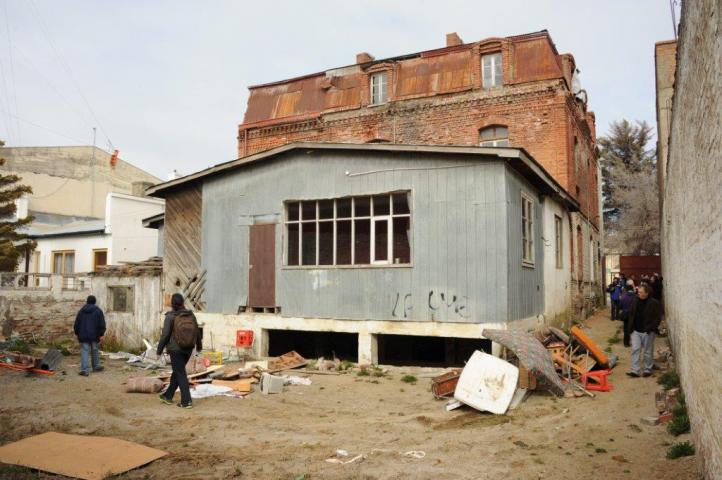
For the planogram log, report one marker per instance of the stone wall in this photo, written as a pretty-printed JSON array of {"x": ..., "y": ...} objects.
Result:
[
  {"x": 42, "y": 314},
  {"x": 692, "y": 224}
]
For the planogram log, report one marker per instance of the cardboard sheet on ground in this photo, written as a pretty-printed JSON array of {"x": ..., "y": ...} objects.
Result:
[
  {"x": 78, "y": 456},
  {"x": 487, "y": 383}
]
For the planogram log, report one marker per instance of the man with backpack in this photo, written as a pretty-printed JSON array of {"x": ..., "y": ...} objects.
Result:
[{"x": 180, "y": 335}]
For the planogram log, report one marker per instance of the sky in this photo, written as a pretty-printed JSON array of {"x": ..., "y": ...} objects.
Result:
[{"x": 165, "y": 82}]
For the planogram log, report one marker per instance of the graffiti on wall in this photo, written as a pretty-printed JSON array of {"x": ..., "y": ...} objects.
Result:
[{"x": 437, "y": 302}]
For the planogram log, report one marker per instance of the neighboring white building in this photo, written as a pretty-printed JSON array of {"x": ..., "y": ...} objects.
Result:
[
  {"x": 556, "y": 236},
  {"x": 83, "y": 246}
]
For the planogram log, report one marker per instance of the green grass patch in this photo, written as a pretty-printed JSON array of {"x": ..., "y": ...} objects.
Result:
[
  {"x": 409, "y": 379},
  {"x": 377, "y": 371},
  {"x": 608, "y": 349},
  {"x": 679, "y": 425},
  {"x": 363, "y": 372},
  {"x": 669, "y": 380},
  {"x": 600, "y": 450},
  {"x": 678, "y": 450},
  {"x": 345, "y": 365}
]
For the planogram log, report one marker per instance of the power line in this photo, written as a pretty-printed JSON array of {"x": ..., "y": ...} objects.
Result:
[
  {"x": 81, "y": 142},
  {"x": 64, "y": 63},
  {"x": 12, "y": 71}
]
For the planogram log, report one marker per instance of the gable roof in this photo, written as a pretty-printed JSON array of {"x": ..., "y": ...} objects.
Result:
[{"x": 516, "y": 158}]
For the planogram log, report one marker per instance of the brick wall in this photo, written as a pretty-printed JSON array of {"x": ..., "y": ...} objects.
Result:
[
  {"x": 692, "y": 221},
  {"x": 40, "y": 314}
]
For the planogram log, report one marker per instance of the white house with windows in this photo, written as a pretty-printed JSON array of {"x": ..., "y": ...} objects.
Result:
[{"x": 86, "y": 245}]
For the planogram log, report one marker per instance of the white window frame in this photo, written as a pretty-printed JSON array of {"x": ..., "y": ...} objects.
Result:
[
  {"x": 378, "y": 88},
  {"x": 371, "y": 217},
  {"x": 559, "y": 241},
  {"x": 495, "y": 62},
  {"x": 527, "y": 230}
]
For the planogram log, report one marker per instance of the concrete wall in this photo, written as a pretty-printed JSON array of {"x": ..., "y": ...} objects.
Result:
[
  {"x": 459, "y": 246},
  {"x": 43, "y": 314},
  {"x": 130, "y": 240},
  {"x": 665, "y": 61},
  {"x": 145, "y": 319},
  {"x": 71, "y": 180},
  {"x": 692, "y": 234}
]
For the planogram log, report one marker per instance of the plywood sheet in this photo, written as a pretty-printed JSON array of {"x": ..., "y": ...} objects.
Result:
[{"x": 79, "y": 456}]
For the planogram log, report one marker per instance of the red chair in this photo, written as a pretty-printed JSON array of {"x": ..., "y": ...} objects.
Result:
[{"x": 599, "y": 377}]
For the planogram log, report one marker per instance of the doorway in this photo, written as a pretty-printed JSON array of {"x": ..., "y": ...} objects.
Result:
[{"x": 262, "y": 266}]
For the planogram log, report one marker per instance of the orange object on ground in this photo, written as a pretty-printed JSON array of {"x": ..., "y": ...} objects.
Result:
[
  {"x": 589, "y": 344},
  {"x": 599, "y": 376}
]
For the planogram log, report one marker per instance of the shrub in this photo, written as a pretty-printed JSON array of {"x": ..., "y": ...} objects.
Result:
[
  {"x": 409, "y": 379},
  {"x": 679, "y": 425},
  {"x": 680, "y": 450},
  {"x": 669, "y": 380}
]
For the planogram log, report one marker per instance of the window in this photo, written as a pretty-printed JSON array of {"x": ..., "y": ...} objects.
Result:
[
  {"x": 379, "y": 88},
  {"x": 100, "y": 258},
  {"x": 558, "y": 240},
  {"x": 491, "y": 70},
  {"x": 120, "y": 299},
  {"x": 494, "y": 136},
  {"x": 364, "y": 230},
  {"x": 64, "y": 261},
  {"x": 527, "y": 230}
]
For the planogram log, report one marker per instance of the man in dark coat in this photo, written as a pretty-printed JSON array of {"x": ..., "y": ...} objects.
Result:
[
  {"x": 89, "y": 328},
  {"x": 178, "y": 356},
  {"x": 644, "y": 318}
]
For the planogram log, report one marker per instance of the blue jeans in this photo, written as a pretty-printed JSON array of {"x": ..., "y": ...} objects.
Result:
[
  {"x": 642, "y": 342},
  {"x": 84, "y": 347}
]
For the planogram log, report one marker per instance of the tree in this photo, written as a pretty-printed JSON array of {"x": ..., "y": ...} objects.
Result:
[
  {"x": 9, "y": 225},
  {"x": 629, "y": 189}
]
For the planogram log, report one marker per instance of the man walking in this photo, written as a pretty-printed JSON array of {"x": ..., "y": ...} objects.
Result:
[
  {"x": 89, "y": 327},
  {"x": 180, "y": 335},
  {"x": 644, "y": 318}
]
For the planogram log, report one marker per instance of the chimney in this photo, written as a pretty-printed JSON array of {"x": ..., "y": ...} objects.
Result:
[
  {"x": 364, "y": 57},
  {"x": 453, "y": 39}
]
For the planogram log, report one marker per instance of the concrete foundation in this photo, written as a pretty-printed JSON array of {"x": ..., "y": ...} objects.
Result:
[{"x": 219, "y": 331}]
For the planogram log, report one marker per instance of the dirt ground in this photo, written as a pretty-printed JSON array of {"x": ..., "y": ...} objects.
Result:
[{"x": 289, "y": 435}]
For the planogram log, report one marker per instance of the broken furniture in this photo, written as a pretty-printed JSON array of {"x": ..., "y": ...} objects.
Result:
[
  {"x": 445, "y": 384},
  {"x": 286, "y": 361},
  {"x": 19, "y": 361},
  {"x": 487, "y": 383}
]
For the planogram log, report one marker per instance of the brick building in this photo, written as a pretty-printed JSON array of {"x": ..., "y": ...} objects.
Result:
[{"x": 515, "y": 91}]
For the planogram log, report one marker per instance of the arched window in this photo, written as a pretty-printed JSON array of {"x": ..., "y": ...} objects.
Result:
[{"x": 494, "y": 136}]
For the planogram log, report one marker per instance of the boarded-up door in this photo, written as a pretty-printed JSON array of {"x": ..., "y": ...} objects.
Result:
[{"x": 262, "y": 266}]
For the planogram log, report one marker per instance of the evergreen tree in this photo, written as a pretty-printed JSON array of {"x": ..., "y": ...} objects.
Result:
[
  {"x": 629, "y": 189},
  {"x": 10, "y": 250}
]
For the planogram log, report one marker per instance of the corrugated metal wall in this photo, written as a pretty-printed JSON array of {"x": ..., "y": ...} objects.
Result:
[
  {"x": 459, "y": 243},
  {"x": 526, "y": 284}
]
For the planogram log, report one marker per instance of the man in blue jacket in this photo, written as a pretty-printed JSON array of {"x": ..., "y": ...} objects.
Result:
[
  {"x": 615, "y": 293},
  {"x": 89, "y": 328}
]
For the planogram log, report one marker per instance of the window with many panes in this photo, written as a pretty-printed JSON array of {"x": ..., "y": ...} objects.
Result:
[
  {"x": 379, "y": 82},
  {"x": 558, "y": 240},
  {"x": 527, "y": 230},
  {"x": 494, "y": 136},
  {"x": 363, "y": 230},
  {"x": 491, "y": 70}
]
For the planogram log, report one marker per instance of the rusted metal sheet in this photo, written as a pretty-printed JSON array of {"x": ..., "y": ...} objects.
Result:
[
  {"x": 534, "y": 60},
  {"x": 432, "y": 75},
  {"x": 262, "y": 267},
  {"x": 639, "y": 265}
]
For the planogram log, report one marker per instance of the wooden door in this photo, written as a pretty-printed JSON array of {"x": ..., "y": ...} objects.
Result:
[{"x": 262, "y": 266}]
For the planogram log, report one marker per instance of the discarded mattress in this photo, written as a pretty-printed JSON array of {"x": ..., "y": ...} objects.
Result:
[
  {"x": 531, "y": 354},
  {"x": 78, "y": 456},
  {"x": 487, "y": 383}
]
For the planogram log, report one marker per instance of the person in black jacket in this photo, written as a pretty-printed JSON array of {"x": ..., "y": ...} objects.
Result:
[
  {"x": 178, "y": 356},
  {"x": 89, "y": 327},
  {"x": 644, "y": 318}
]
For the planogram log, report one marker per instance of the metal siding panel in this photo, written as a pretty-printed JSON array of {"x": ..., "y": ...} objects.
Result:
[{"x": 458, "y": 217}]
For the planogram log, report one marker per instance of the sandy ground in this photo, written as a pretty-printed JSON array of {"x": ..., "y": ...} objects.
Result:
[{"x": 289, "y": 435}]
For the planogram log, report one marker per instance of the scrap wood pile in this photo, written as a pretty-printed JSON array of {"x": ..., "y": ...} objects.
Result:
[
  {"x": 208, "y": 380},
  {"x": 549, "y": 359},
  {"x": 152, "y": 266},
  {"x": 15, "y": 355}
]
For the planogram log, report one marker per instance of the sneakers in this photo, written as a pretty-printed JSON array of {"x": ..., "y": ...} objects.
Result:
[
  {"x": 164, "y": 400},
  {"x": 187, "y": 405},
  {"x": 99, "y": 369},
  {"x": 83, "y": 374},
  {"x": 633, "y": 374},
  {"x": 647, "y": 374}
]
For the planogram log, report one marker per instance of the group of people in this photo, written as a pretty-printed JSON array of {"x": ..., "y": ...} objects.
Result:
[
  {"x": 638, "y": 303},
  {"x": 179, "y": 337}
]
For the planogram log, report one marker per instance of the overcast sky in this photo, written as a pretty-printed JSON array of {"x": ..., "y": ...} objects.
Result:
[{"x": 167, "y": 81}]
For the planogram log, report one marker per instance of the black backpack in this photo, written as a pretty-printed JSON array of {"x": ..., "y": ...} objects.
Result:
[{"x": 185, "y": 330}]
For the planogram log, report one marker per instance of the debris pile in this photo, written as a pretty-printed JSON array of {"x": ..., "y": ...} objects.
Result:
[{"x": 152, "y": 266}]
